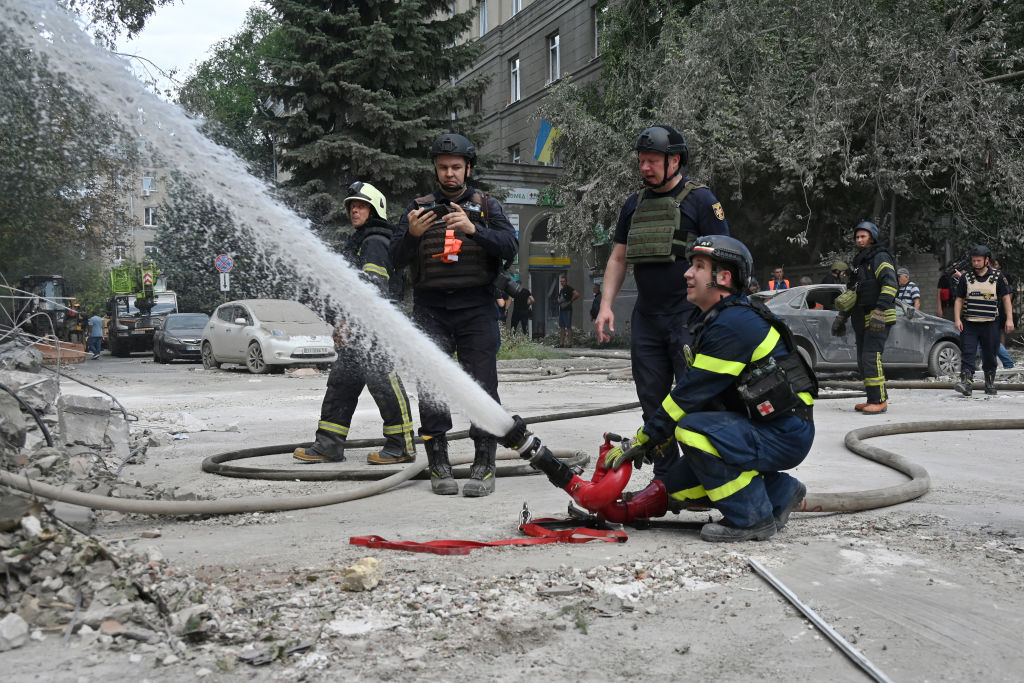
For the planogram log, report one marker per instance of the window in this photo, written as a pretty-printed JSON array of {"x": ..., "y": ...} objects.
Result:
[
  {"x": 148, "y": 185},
  {"x": 482, "y": 15},
  {"x": 513, "y": 74},
  {"x": 596, "y": 16},
  {"x": 150, "y": 220},
  {"x": 149, "y": 248},
  {"x": 517, "y": 6},
  {"x": 119, "y": 252},
  {"x": 513, "y": 154},
  {"x": 554, "y": 59}
]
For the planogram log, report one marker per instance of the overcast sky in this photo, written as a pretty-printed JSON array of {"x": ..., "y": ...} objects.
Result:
[{"x": 178, "y": 36}]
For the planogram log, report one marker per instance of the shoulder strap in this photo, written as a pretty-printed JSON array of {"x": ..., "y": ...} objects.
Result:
[{"x": 425, "y": 199}]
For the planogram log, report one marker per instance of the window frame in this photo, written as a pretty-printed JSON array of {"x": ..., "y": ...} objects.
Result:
[
  {"x": 515, "y": 80},
  {"x": 554, "y": 57}
]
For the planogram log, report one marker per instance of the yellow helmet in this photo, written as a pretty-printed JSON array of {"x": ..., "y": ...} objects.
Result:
[{"x": 365, "y": 192}]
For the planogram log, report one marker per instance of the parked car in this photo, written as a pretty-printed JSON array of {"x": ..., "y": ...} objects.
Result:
[
  {"x": 916, "y": 341},
  {"x": 178, "y": 336},
  {"x": 264, "y": 334}
]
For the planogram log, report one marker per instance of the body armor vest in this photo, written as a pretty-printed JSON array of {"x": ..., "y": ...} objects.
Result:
[
  {"x": 655, "y": 235},
  {"x": 451, "y": 259},
  {"x": 982, "y": 302}
]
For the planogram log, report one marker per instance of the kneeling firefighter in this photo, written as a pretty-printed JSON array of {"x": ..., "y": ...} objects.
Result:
[
  {"x": 368, "y": 250},
  {"x": 741, "y": 412}
]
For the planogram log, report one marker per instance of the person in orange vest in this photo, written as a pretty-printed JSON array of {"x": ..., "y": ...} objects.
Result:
[{"x": 778, "y": 280}]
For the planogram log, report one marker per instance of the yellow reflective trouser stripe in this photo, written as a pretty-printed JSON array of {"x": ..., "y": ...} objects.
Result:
[
  {"x": 690, "y": 493},
  {"x": 691, "y": 438},
  {"x": 729, "y": 488},
  {"x": 672, "y": 408},
  {"x": 717, "y": 365},
  {"x": 397, "y": 429},
  {"x": 403, "y": 403},
  {"x": 332, "y": 427},
  {"x": 377, "y": 270},
  {"x": 806, "y": 398},
  {"x": 765, "y": 347},
  {"x": 882, "y": 266}
]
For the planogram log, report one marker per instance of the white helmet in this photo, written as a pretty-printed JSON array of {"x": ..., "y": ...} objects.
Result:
[{"x": 365, "y": 192}]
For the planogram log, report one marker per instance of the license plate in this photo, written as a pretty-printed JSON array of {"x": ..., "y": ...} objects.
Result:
[
  {"x": 140, "y": 331},
  {"x": 191, "y": 347},
  {"x": 314, "y": 350}
]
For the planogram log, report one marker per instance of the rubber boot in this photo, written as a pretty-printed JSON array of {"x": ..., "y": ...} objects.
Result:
[
  {"x": 442, "y": 482},
  {"x": 328, "y": 447},
  {"x": 393, "y": 452},
  {"x": 651, "y": 502},
  {"x": 990, "y": 383},
  {"x": 964, "y": 385},
  {"x": 481, "y": 473}
]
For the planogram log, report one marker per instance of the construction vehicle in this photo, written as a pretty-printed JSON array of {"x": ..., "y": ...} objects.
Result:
[
  {"x": 140, "y": 301},
  {"x": 44, "y": 308}
]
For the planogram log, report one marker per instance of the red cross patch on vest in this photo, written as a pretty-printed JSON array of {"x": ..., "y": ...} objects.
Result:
[{"x": 766, "y": 408}]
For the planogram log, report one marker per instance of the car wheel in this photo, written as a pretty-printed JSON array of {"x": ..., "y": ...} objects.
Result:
[
  {"x": 159, "y": 357},
  {"x": 944, "y": 359},
  {"x": 254, "y": 360},
  {"x": 209, "y": 362}
]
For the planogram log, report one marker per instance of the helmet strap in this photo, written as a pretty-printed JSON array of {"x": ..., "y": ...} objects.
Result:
[{"x": 714, "y": 279}]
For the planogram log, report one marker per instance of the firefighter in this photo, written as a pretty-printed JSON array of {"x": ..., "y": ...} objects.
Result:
[
  {"x": 367, "y": 249},
  {"x": 455, "y": 240},
  {"x": 979, "y": 296},
  {"x": 741, "y": 412},
  {"x": 654, "y": 229},
  {"x": 873, "y": 280}
]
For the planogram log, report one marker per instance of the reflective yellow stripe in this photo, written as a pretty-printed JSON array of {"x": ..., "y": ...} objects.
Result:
[
  {"x": 882, "y": 266},
  {"x": 332, "y": 427},
  {"x": 889, "y": 290},
  {"x": 765, "y": 347},
  {"x": 377, "y": 270},
  {"x": 397, "y": 429},
  {"x": 403, "y": 404},
  {"x": 690, "y": 494},
  {"x": 717, "y": 365},
  {"x": 696, "y": 440},
  {"x": 672, "y": 408},
  {"x": 806, "y": 398},
  {"x": 737, "y": 484}
]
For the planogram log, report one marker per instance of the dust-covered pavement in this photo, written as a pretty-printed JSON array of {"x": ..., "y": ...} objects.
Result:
[{"x": 927, "y": 590}]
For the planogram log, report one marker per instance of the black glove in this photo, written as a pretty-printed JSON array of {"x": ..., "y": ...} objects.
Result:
[
  {"x": 516, "y": 437},
  {"x": 839, "y": 325}
]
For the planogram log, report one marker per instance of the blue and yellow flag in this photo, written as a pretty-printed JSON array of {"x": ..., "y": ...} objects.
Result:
[{"x": 544, "y": 150}]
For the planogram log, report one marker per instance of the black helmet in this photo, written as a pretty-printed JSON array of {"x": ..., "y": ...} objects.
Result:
[
  {"x": 870, "y": 227},
  {"x": 664, "y": 139},
  {"x": 981, "y": 250},
  {"x": 454, "y": 144},
  {"x": 728, "y": 251}
]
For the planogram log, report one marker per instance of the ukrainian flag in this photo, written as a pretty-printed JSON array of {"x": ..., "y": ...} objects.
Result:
[{"x": 544, "y": 150}]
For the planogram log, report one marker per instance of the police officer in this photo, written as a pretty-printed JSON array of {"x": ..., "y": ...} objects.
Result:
[
  {"x": 874, "y": 280},
  {"x": 654, "y": 229},
  {"x": 741, "y": 412},
  {"x": 368, "y": 250},
  {"x": 979, "y": 295},
  {"x": 455, "y": 240}
]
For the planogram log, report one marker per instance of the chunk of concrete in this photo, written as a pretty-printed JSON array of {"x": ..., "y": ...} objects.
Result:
[
  {"x": 364, "y": 575},
  {"x": 13, "y": 632},
  {"x": 14, "y": 356},
  {"x": 39, "y": 391},
  {"x": 75, "y": 516},
  {"x": 13, "y": 426}
]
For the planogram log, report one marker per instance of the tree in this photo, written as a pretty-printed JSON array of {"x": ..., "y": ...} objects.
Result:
[
  {"x": 202, "y": 229},
  {"x": 66, "y": 166},
  {"x": 807, "y": 116},
  {"x": 365, "y": 86},
  {"x": 108, "y": 19},
  {"x": 226, "y": 88}
]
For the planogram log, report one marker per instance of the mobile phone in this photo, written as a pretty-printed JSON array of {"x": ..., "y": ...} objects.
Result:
[{"x": 441, "y": 209}]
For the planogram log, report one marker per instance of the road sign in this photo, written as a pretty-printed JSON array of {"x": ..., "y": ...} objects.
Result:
[
  {"x": 223, "y": 263},
  {"x": 225, "y": 282}
]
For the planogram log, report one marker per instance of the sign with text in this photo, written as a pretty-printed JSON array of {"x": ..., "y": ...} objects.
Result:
[{"x": 225, "y": 282}]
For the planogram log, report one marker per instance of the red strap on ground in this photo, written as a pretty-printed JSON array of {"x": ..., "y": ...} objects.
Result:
[{"x": 539, "y": 536}]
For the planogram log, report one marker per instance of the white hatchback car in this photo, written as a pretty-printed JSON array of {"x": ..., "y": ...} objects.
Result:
[{"x": 264, "y": 334}]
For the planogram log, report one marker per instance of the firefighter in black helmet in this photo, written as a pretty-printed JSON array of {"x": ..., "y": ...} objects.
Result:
[
  {"x": 654, "y": 230},
  {"x": 455, "y": 240}
]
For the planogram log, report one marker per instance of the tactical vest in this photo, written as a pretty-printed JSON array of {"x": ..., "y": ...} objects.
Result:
[
  {"x": 982, "y": 300},
  {"x": 441, "y": 263},
  {"x": 655, "y": 235}
]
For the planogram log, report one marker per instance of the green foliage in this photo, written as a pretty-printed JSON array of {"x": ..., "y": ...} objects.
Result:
[
  {"x": 108, "y": 19},
  {"x": 806, "y": 116},
  {"x": 66, "y": 166},
  {"x": 225, "y": 89},
  {"x": 515, "y": 345},
  {"x": 366, "y": 85},
  {"x": 204, "y": 228}
]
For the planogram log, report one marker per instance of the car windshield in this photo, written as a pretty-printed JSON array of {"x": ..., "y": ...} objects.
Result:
[
  {"x": 280, "y": 311},
  {"x": 187, "y": 322}
]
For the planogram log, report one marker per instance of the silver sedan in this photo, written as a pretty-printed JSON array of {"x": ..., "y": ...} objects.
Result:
[
  {"x": 264, "y": 334},
  {"x": 916, "y": 341}
]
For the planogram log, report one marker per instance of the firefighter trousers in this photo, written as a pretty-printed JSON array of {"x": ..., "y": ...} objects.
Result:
[
  {"x": 734, "y": 463},
  {"x": 869, "y": 355}
]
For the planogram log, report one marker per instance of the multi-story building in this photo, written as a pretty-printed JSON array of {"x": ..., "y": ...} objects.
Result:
[
  {"x": 148, "y": 190},
  {"x": 526, "y": 47}
]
